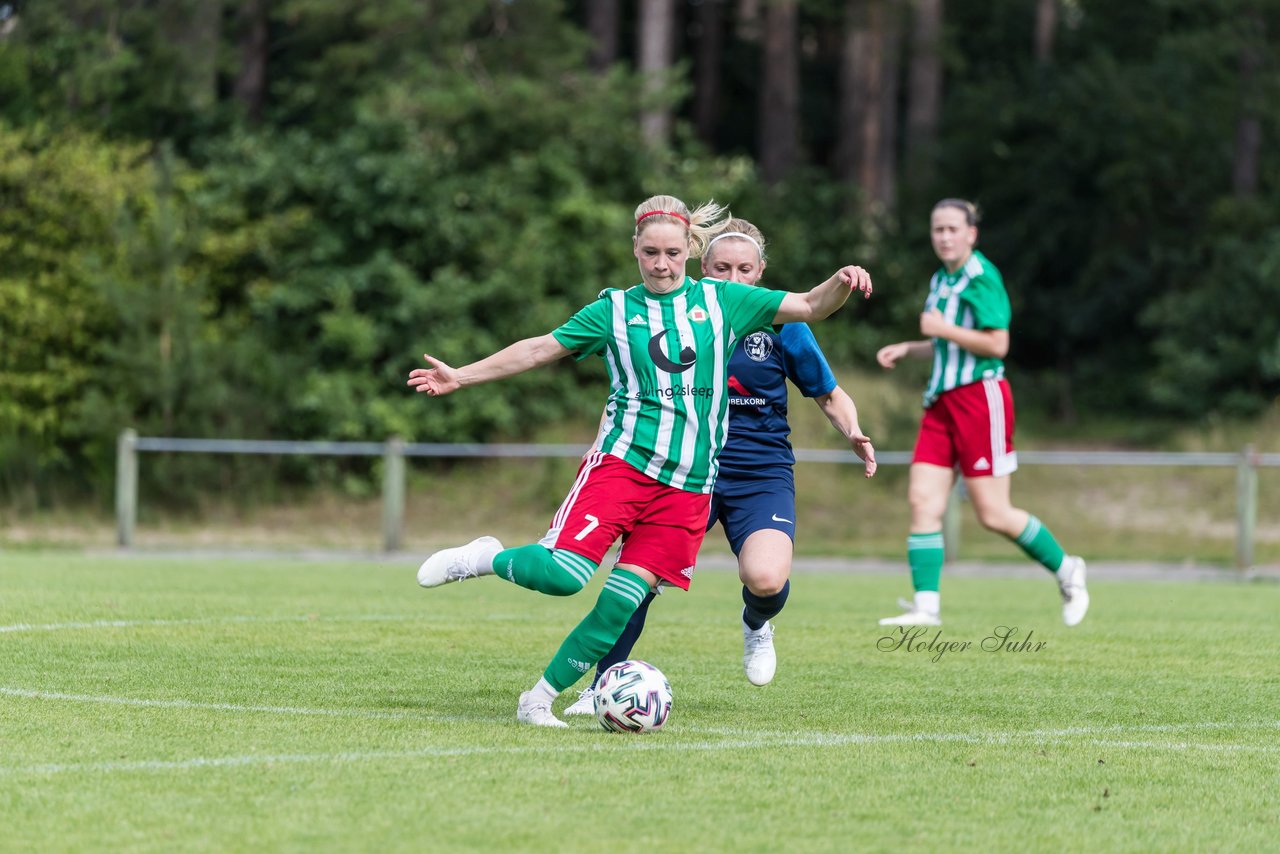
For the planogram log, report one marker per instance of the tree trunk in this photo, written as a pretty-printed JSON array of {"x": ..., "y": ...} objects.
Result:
[
  {"x": 1244, "y": 167},
  {"x": 251, "y": 78},
  {"x": 862, "y": 112},
  {"x": 1046, "y": 30},
  {"x": 748, "y": 20},
  {"x": 657, "y": 48},
  {"x": 779, "y": 93},
  {"x": 886, "y": 190},
  {"x": 706, "y": 85},
  {"x": 602, "y": 24},
  {"x": 193, "y": 28},
  {"x": 924, "y": 83}
]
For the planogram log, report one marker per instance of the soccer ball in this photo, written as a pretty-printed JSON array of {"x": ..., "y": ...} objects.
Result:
[{"x": 633, "y": 696}]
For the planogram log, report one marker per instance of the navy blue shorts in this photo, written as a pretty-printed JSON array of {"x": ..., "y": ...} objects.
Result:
[{"x": 743, "y": 506}]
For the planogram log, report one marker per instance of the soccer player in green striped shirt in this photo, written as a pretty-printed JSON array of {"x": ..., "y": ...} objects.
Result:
[
  {"x": 666, "y": 344},
  {"x": 968, "y": 420}
]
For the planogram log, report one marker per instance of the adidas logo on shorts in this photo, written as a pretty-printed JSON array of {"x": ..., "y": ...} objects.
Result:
[{"x": 981, "y": 464}]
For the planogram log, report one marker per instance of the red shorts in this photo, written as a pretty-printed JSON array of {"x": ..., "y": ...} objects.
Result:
[
  {"x": 664, "y": 526},
  {"x": 971, "y": 426}
]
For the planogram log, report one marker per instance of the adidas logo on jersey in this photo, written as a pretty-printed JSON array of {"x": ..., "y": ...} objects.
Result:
[
  {"x": 981, "y": 464},
  {"x": 636, "y": 321}
]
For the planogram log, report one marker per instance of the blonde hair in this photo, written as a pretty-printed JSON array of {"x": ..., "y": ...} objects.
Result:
[
  {"x": 971, "y": 213},
  {"x": 736, "y": 228},
  {"x": 702, "y": 223}
]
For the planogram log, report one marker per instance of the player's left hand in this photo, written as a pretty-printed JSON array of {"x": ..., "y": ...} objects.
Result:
[
  {"x": 857, "y": 279},
  {"x": 866, "y": 452}
]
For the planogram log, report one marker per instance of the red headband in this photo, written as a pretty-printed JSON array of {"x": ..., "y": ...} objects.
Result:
[{"x": 680, "y": 217}]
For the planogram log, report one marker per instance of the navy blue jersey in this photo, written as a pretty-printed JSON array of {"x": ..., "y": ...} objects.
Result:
[{"x": 759, "y": 369}]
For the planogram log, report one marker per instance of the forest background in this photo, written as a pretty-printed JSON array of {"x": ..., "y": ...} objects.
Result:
[{"x": 249, "y": 218}]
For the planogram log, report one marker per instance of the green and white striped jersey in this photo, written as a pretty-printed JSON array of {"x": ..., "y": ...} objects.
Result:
[
  {"x": 973, "y": 297},
  {"x": 667, "y": 357}
]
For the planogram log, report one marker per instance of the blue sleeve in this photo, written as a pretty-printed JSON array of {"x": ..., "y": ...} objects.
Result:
[{"x": 806, "y": 367}]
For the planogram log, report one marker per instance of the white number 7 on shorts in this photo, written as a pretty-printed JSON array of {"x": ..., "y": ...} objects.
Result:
[{"x": 592, "y": 524}]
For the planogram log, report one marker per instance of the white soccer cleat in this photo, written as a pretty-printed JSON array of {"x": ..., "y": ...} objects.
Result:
[
  {"x": 470, "y": 561},
  {"x": 532, "y": 710},
  {"x": 1075, "y": 597},
  {"x": 585, "y": 704},
  {"x": 758, "y": 658},
  {"x": 914, "y": 616}
]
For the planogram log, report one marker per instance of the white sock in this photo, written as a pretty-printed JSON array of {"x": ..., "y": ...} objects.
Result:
[
  {"x": 544, "y": 691},
  {"x": 486, "y": 559},
  {"x": 929, "y": 601}
]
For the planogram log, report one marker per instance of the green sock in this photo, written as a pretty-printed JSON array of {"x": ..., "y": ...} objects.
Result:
[
  {"x": 621, "y": 595},
  {"x": 1039, "y": 544},
  {"x": 554, "y": 572},
  {"x": 924, "y": 555}
]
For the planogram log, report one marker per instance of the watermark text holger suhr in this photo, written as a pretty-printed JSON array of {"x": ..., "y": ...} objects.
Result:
[{"x": 931, "y": 642}]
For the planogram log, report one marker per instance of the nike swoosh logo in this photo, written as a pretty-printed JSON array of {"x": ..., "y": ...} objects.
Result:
[{"x": 778, "y": 518}]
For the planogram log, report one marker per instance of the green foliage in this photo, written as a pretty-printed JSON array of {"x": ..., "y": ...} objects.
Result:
[
  {"x": 448, "y": 178},
  {"x": 1099, "y": 179},
  {"x": 59, "y": 193}
]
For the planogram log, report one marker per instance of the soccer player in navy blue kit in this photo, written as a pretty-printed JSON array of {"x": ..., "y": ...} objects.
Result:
[{"x": 754, "y": 498}]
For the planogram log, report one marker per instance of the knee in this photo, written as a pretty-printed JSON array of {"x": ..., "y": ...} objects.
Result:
[
  {"x": 770, "y": 585},
  {"x": 988, "y": 518},
  {"x": 563, "y": 584},
  {"x": 998, "y": 520},
  {"x": 926, "y": 505}
]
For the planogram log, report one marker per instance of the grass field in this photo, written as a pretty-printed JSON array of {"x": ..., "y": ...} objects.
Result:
[{"x": 156, "y": 704}]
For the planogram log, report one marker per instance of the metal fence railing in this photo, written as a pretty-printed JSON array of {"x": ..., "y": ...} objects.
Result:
[{"x": 394, "y": 451}]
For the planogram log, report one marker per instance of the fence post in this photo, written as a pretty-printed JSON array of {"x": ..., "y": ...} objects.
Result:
[
  {"x": 951, "y": 521},
  {"x": 1246, "y": 506},
  {"x": 126, "y": 487},
  {"x": 392, "y": 494}
]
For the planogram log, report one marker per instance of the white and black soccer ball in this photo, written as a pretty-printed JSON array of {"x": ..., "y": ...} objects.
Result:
[{"x": 633, "y": 696}]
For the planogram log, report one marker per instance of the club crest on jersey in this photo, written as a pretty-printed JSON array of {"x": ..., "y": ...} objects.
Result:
[
  {"x": 758, "y": 346},
  {"x": 698, "y": 314}
]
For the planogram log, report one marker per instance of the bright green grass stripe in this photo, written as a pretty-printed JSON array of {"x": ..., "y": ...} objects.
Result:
[{"x": 761, "y": 741}]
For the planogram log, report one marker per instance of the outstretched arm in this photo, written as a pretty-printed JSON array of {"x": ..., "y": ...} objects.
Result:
[
  {"x": 843, "y": 415},
  {"x": 441, "y": 379},
  {"x": 889, "y": 354},
  {"x": 988, "y": 343},
  {"x": 822, "y": 301}
]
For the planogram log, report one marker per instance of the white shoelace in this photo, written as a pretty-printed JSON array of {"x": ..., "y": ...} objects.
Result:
[
  {"x": 759, "y": 638},
  {"x": 460, "y": 569}
]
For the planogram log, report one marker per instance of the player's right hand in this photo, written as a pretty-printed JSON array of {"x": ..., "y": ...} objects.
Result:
[{"x": 437, "y": 380}]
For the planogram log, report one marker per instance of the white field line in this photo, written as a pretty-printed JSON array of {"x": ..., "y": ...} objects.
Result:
[
  {"x": 742, "y": 740},
  {"x": 225, "y": 707},
  {"x": 731, "y": 732},
  {"x": 202, "y": 621}
]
